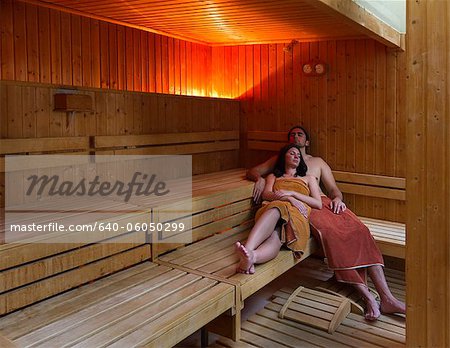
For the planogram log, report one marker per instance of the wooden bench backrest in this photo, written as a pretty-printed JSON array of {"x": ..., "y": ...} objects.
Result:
[
  {"x": 220, "y": 201},
  {"x": 167, "y": 144},
  {"x": 371, "y": 185}
]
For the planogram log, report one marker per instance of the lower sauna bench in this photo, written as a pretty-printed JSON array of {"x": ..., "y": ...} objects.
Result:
[{"x": 146, "y": 305}]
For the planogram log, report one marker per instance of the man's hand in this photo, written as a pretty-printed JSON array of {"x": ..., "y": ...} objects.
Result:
[
  {"x": 258, "y": 190},
  {"x": 337, "y": 206}
]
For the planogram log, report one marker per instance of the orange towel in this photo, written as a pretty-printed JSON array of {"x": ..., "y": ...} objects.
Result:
[{"x": 295, "y": 238}]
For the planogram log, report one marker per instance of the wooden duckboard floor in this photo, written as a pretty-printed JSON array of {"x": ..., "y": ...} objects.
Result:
[{"x": 265, "y": 329}]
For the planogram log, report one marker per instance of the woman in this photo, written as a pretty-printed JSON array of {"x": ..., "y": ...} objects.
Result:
[{"x": 291, "y": 195}]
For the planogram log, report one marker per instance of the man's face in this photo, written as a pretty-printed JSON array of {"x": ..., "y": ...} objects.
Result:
[{"x": 298, "y": 137}]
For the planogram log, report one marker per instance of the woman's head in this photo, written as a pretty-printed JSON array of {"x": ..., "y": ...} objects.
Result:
[{"x": 291, "y": 155}]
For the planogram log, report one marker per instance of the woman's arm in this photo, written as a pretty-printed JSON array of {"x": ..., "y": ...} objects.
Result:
[{"x": 313, "y": 200}]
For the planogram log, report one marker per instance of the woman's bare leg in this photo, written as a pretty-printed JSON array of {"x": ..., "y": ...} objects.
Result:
[
  {"x": 389, "y": 304},
  {"x": 268, "y": 250},
  {"x": 262, "y": 231}
]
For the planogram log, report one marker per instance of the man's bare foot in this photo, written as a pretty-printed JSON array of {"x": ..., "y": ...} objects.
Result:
[
  {"x": 372, "y": 312},
  {"x": 246, "y": 257},
  {"x": 392, "y": 306}
]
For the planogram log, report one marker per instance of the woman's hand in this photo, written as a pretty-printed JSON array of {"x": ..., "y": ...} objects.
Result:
[{"x": 300, "y": 206}]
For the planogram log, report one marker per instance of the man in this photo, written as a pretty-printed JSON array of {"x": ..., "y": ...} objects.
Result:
[{"x": 348, "y": 245}]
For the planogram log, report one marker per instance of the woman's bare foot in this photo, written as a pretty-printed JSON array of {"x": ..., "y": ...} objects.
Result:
[
  {"x": 246, "y": 257},
  {"x": 393, "y": 305},
  {"x": 372, "y": 312}
]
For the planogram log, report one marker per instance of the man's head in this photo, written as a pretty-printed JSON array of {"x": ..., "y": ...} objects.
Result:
[{"x": 298, "y": 135}]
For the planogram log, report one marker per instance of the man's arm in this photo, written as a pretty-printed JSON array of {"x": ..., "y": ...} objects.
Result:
[
  {"x": 256, "y": 174},
  {"x": 333, "y": 192}
]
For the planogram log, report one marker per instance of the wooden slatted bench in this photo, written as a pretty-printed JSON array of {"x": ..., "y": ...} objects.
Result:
[
  {"x": 390, "y": 236},
  {"x": 222, "y": 201},
  {"x": 148, "y": 304},
  {"x": 144, "y": 304}
]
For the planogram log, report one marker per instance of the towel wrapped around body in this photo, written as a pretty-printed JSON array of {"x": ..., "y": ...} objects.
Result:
[{"x": 296, "y": 237}]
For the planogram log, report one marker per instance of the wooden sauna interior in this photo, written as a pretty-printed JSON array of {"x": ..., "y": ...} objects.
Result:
[{"x": 236, "y": 66}]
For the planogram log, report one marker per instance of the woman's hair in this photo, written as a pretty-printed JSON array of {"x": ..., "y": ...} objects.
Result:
[
  {"x": 303, "y": 129},
  {"x": 281, "y": 162}
]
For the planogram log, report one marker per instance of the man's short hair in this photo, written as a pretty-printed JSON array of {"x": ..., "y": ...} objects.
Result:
[{"x": 303, "y": 129}]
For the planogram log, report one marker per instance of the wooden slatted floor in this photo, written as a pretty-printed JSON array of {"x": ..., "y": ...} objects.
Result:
[{"x": 265, "y": 329}]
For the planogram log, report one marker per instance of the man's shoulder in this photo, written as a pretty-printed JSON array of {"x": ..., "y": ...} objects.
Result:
[{"x": 318, "y": 161}]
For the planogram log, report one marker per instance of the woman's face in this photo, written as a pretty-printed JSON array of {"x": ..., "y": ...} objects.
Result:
[{"x": 292, "y": 157}]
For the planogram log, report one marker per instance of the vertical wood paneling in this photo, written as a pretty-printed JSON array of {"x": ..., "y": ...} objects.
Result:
[
  {"x": 113, "y": 54},
  {"x": 171, "y": 64},
  {"x": 165, "y": 64},
  {"x": 137, "y": 60},
  {"x": 66, "y": 49},
  {"x": 29, "y": 115},
  {"x": 353, "y": 112},
  {"x": 7, "y": 40},
  {"x": 121, "y": 67},
  {"x": 428, "y": 172},
  {"x": 28, "y": 110},
  {"x": 104, "y": 54},
  {"x": 331, "y": 105},
  {"x": 77, "y": 65},
  {"x": 95, "y": 53},
  {"x": 144, "y": 61},
  {"x": 44, "y": 45},
  {"x": 183, "y": 69},
  {"x": 86, "y": 52},
  {"x": 49, "y": 46},
  {"x": 43, "y": 111},
  {"x": 32, "y": 43},
  {"x": 341, "y": 111},
  {"x": 20, "y": 39},
  {"x": 55, "y": 47}
]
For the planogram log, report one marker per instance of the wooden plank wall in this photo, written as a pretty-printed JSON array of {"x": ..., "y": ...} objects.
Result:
[
  {"x": 428, "y": 174},
  {"x": 48, "y": 46},
  {"x": 355, "y": 113},
  {"x": 27, "y": 112}
]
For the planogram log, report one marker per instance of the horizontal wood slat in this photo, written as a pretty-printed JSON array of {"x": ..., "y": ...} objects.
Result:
[
  {"x": 148, "y": 303},
  {"x": 183, "y": 149},
  {"x": 160, "y": 139},
  {"x": 368, "y": 179},
  {"x": 26, "y": 295},
  {"x": 372, "y": 191},
  {"x": 33, "y": 145}
]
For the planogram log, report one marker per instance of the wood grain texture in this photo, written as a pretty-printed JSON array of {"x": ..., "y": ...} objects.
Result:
[
  {"x": 47, "y": 45},
  {"x": 427, "y": 174},
  {"x": 236, "y": 22},
  {"x": 355, "y": 113}
]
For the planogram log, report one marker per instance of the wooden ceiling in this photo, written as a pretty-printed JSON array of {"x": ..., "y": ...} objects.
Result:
[{"x": 233, "y": 22}]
